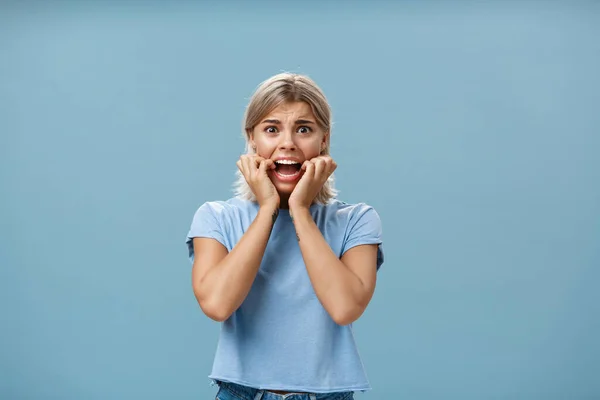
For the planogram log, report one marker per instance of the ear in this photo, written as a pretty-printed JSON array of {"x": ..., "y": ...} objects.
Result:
[
  {"x": 251, "y": 141},
  {"x": 324, "y": 141}
]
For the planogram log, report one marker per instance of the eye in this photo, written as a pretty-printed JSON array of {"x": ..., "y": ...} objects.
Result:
[
  {"x": 271, "y": 129},
  {"x": 304, "y": 129}
]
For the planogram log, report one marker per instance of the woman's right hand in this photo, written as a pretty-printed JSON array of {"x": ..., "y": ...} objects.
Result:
[{"x": 254, "y": 168}]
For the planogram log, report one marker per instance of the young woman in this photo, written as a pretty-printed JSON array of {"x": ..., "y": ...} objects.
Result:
[{"x": 284, "y": 265}]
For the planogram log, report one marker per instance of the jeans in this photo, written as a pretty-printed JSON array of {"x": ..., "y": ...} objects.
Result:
[{"x": 233, "y": 391}]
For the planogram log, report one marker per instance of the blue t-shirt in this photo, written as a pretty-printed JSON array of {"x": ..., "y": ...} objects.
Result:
[{"x": 281, "y": 337}]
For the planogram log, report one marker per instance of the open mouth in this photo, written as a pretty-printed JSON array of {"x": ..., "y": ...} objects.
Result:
[{"x": 287, "y": 169}]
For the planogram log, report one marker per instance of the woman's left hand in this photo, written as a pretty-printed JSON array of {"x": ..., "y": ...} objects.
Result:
[{"x": 316, "y": 173}]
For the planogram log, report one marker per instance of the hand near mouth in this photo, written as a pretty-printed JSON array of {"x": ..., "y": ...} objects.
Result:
[
  {"x": 254, "y": 168},
  {"x": 316, "y": 173}
]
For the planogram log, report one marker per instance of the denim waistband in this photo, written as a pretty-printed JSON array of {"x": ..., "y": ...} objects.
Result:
[{"x": 248, "y": 393}]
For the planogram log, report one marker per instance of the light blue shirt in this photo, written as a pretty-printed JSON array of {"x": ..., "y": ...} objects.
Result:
[{"x": 281, "y": 337}]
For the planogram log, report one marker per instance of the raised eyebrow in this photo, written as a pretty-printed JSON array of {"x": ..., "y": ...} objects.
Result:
[
  {"x": 298, "y": 122},
  {"x": 271, "y": 121},
  {"x": 304, "y": 122}
]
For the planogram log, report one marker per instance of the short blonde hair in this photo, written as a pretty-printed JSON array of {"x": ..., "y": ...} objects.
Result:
[{"x": 282, "y": 88}]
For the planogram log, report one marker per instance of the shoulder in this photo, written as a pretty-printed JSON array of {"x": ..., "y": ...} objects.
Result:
[
  {"x": 357, "y": 219},
  {"x": 360, "y": 224},
  {"x": 224, "y": 208},
  {"x": 349, "y": 211},
  {"x": 223, "y": 220}
]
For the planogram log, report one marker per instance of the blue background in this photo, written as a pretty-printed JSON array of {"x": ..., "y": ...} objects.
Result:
[{"x": 472, "y": 127}]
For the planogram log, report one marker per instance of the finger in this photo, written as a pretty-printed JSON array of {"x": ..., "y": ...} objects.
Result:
[
  {"x": 270, "y": 163},
  {"x": 320, "y": 167},
  {"x": 319, "y": 158},
  {"x": 309, "y": 170},
  {"x": 256, "y": 160},
  {"x": 258, "y": 169},
  {"x": 247, "y": 165},
  {"x": 241, "y": 163},
  {"x": 332, "y": 167},
  {"x": 329, "y": 166},
  {"x": 262, "y": 168}
]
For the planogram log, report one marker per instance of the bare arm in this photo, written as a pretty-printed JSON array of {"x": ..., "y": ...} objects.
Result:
[
  {"x": 222, "y": 280},
  {"x": 344, "y": 287}
]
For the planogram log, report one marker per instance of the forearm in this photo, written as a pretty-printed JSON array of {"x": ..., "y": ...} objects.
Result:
[
  {"x": 225, "y": 286},
  {"x": 339, "y": 289}
]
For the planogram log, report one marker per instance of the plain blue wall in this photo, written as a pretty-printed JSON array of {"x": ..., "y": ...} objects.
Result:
[{"x": 471, "y": 127}]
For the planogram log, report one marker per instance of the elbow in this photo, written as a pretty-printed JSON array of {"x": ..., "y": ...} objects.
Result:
[
  {"x": 343, "y": 320},
  {"x": 346, "y": 315},
  {"x": 216, "y": 314},
  {"x": 215, "y": 310}
]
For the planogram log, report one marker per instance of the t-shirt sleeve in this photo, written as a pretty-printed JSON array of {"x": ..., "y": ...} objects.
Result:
[
  {"x": 205, "y": 224},
  {"x": 364, "y": 227}
]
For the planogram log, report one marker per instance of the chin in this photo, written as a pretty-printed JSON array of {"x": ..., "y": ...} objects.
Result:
[{"x": 285, "y": 190}]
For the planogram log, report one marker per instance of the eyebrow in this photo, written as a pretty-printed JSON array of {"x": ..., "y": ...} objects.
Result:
[
  {"x": 298, "y": 122},
  {"x": 304, "y": 121}
]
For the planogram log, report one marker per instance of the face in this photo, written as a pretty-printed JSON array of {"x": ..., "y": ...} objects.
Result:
[{"x": 288, "y": 135}]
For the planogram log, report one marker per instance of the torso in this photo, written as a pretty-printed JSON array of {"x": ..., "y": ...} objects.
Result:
[{"x": 281, "y": 319}]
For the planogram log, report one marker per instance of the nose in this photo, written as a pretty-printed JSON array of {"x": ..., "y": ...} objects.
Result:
[{"x": 287, "y": 141}]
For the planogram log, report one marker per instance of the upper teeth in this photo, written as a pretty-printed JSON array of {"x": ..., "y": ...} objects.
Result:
[{"x": 289, "y": 162}]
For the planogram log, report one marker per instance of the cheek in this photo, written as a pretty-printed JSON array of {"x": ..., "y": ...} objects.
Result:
[
  {"x": 312, "y": 150},
  {"x": 262, "y": 147},
  {"x": 263, "y": 150},
  {"x": 267, "y": 144}
]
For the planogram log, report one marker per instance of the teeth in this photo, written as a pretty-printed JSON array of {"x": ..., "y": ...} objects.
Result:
[
  {"x": 292, "y": 174},
  {"x": 286, "y": 162}
]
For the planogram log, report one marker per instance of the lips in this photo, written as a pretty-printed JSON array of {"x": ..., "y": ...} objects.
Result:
[{"x": 287, "y": 169}]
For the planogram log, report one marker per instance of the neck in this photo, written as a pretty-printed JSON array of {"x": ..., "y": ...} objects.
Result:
[{"x": 283, "y": 202}]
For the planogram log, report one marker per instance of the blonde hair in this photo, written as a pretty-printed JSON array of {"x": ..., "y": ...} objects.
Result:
[{"x": 282, "y": 88}]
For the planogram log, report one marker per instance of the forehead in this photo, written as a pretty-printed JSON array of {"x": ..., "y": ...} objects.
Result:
[{"x": 297, "y": 109}]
